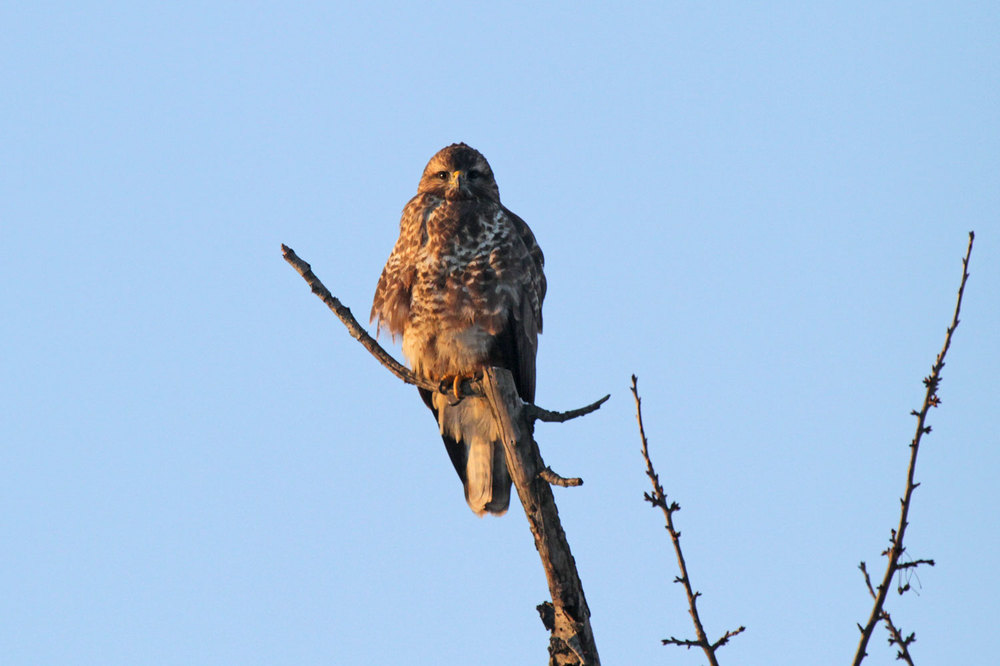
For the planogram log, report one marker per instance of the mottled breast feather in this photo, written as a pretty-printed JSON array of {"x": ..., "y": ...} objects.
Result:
[{"x": 462, "y": 264}]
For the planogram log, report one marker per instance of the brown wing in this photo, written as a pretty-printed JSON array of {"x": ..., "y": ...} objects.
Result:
[
  {"x": 391, "y": 305},
  {"x": 517, "y": 346},
  {"x": 535, "y": 269}
]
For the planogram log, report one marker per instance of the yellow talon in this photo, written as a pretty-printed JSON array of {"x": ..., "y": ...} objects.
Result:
[{"x": 456, "y": 385}]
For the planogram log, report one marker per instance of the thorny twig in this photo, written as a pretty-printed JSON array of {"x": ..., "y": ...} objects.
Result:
[
  {"x": 896, "y": 548},
  {"x": 659, "y": 499}
]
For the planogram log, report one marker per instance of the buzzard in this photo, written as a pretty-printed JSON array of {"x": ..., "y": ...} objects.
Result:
[{"x": 464, "y": 288}]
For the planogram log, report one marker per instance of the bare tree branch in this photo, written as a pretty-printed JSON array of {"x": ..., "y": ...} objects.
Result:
[
  {"x": 896, "y": 547},
  {"x": 568, "y": 617},
  {"x": 659, "y": 499}
]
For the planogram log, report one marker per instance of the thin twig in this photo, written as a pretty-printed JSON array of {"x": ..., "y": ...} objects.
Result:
[
  {"x": 559, "y": 417},
  {"x": 914, "y": 563},
  {"x": 725, "y": 637},
  {"x": 868, "y": 582},
  {"x": 896, "y": 547},
  {"x": 896, "y": 638},
  {"x": 659, "y": 498}
]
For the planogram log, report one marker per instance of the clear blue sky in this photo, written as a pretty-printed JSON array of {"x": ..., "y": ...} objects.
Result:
[{"x": 760, "y": 211}]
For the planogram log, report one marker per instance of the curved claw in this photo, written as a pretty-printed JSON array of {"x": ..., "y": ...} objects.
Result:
[{"x": 451, "y": 385}]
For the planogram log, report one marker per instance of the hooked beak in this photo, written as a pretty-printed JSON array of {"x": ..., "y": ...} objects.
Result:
[{"x": 458, "y": 182}]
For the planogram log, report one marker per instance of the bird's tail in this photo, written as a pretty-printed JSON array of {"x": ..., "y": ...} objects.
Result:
[
  {"x": 487, "y": 481},
  {"x": 475, "y": 451}
]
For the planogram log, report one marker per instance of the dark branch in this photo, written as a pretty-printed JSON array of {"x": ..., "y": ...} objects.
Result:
[
  {"x": 868, "y": 582},
  {"x": 688, "y": 643},
  {"x": 896, "y": 547},
  {"x": 914, "y": 563},
  {"x": 659, "y": 499},
  {"x": 725, "y": 638},
  {"x": 559, "y": 417}
]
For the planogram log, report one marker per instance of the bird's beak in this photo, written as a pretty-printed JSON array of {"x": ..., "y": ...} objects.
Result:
[{"x": 458, "y": 185}]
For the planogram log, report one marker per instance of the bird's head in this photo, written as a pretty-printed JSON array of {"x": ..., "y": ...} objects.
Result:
[{"x": 459, "y": 172}]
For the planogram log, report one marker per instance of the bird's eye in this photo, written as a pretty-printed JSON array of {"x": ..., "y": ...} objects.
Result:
[
  {"x": 473, "y": 174},
  {"x": 442, "y": 175}
]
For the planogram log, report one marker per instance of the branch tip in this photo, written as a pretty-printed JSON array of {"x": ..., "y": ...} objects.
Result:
[
  {"x": 895, "y": 551},
  {"x": 556, "y": 480}
]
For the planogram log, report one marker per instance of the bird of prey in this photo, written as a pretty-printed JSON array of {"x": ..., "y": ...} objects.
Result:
[{"x": 464, "y": 288}]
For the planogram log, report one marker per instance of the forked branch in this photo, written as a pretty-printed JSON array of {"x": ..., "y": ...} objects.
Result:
[{"x": 896, "y": 547}]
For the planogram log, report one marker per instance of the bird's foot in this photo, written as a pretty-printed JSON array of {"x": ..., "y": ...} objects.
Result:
[{"x": 451, "y": 385}]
